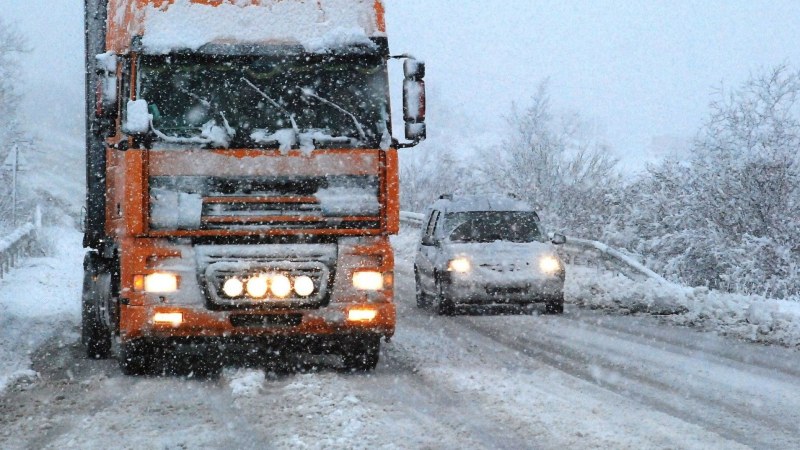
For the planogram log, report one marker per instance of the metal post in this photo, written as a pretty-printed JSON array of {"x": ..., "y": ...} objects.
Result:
[{"x": 15, "y": 166}]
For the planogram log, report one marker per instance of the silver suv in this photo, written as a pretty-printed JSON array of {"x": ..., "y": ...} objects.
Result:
[{"x": 487, "y": 251}]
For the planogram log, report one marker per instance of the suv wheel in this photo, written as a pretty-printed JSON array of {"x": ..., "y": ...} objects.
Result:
[
  {"x": 554, "y": 306},
  {"x": 444, "y": 305}
]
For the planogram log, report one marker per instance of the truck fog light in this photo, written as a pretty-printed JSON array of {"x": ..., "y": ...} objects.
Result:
[
  {"x": 157, "y": 283},
  {"x": 174, "y": 319},
  {"x": 361, "y": 314},
  {"x": 460, "y": 265},
  {"x": 257, "y": 286},
  {"x": 368, "y": 280},
  {"x": 304, "y": 286},
  {"x": 281, "y": 286},
  {"x": 233, "y": 287},
  {"x": 549, "y": 264}
]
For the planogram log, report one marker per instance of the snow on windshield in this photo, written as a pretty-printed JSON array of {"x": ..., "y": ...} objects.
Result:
[{"x": 317, "y": 25}]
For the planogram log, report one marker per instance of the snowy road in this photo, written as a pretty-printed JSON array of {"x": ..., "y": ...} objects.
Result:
[{"x": 584, "y": 379}]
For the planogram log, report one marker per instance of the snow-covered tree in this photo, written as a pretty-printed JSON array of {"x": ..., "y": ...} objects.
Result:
[
  {"x": 729, "y": 218},
  {"x": 556, "y": 163},
  {"x": 427, "y": 174},
  {"x": 12, "y": 44}
]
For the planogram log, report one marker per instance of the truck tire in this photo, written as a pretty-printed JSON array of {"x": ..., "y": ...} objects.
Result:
[
  {"x": 362, "y": 355},
  {"x": 135, "y": 358},
  {"x": 95, "y": 336},
  {"x": 444, "y": 305},
  {"x": 422, "y": 301},
  {"x": 554, "y": 306}
]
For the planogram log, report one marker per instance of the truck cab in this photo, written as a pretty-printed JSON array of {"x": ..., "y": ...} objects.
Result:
[{"x": 242, "y": 177}]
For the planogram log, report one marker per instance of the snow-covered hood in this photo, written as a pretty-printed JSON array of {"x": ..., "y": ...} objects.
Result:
[{"x": 499, "y": 254}]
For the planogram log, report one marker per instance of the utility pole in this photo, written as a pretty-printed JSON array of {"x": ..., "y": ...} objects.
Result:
[
  {"x": 15, "y": 168},
  {"x": 12, "y": 163}
]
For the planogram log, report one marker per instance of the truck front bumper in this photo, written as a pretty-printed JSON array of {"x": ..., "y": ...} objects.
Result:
[{"x": 161, "y": 322}]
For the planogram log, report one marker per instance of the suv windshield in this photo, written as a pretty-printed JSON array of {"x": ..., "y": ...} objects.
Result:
[
  {"x": 267, "y": 101},
  {"x": 493, "y": 226}
]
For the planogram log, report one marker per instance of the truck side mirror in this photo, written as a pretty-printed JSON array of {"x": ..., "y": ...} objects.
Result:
[
  {"x": 137, "y": 118},
  {"x": 414, "y": 99},
  {"x": 106, "y": 93}
]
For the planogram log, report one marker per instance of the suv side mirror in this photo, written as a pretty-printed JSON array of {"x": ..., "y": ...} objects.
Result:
[
  {"x": 559, "y": 239},
  {"x": 414, "y": 100},
  {"x": 429, "y": 241}
]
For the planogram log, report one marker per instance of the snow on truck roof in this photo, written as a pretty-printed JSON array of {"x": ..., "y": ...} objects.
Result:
[
  {"x": 174, "y": 25},
  {"x": 468, "y": 203}
]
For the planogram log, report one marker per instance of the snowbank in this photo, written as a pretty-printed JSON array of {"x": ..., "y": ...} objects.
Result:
[
  {"x": 749, "y": 317},
  {"x": 39, "y": 300}
]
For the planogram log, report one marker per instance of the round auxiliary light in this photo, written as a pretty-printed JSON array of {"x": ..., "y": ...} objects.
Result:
[
  {"x": 233, "y": 287},
  {"x": 281, "y": 286},
  {"x": 257, "y": 286},
  {"x": 304, "y": 286}
]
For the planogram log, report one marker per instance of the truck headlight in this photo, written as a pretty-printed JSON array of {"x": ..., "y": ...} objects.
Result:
[
  {"x": 549, "y": 264},
  {"x": 257, "y": 286},
  {"x": 368, "y": 280},
  {"x": 281, "y": 286},
  {"x": 233, "y": 287},
  {"x": 460, "y": 265},
  {"x": 156, "y": 283}
]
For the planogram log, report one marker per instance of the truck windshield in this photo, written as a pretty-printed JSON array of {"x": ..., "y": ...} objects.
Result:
[
  {"x": 267, "y": 101},
  {"x": 490, "y": 226}
]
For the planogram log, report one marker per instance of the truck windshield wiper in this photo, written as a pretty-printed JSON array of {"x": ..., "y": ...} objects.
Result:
[
  {"x": 307, "y": 92},
  {"x": 276, "y": 105}
]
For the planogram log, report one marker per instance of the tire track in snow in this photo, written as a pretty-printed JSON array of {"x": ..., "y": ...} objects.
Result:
[
  {"x": 770, "y": 361},
  {"x": 591, "y": 363}
]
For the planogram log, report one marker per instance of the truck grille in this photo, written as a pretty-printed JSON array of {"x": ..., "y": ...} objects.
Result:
[
  {"x": 219, "y": 263},
  {"x": 253, "y": 203}
]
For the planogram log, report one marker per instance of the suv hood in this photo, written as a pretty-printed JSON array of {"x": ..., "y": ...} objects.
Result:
[{"x": 500, "y": 254}]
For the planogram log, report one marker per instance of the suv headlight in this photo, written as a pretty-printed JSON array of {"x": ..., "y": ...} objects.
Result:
[
  {"x": 549, "y": 264},
  {"x": 460, "y": 265}
]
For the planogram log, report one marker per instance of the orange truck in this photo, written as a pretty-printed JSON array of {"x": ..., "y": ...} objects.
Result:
[{"x": 242, "y": 177}]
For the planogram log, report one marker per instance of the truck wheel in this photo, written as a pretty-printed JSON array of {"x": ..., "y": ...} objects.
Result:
[
  {"x": 421, "y": 300},
  {"x": 444, "y": 305},
  {"x": 94, "y": 334},
  {"x": 554, "y": 307},
  {"x": 135, "y": 358},
  {"x": 362, "y": 355}
]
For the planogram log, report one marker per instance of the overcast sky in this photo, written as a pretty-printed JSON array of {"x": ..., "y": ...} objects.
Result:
[{"x": 638, "y": 70}]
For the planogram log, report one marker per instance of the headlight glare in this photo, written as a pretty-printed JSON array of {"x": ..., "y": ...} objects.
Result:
[
  {"x": 281, "y": 286},
  {"x": 549, "y": 264},
  {"x": 233, "y": 287},
  {"x": 160, "y": 283},
  {"x": 257, "y": 286},
  {"x": 368, "y": 280},
  {"x": 304, "y": 286},
  {"x": 460, "y": 265}
]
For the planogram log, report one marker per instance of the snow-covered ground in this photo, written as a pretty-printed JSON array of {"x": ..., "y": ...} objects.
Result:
[
  {"x": 584, "y": 379},
  {"x": 39, "y": 300}
]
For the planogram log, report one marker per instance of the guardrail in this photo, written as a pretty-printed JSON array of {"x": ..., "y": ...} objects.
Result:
[
  {"x": 19, "y": 243},
  {"x": 582, "y": 252},
  {"x": 15, "y": 246}
]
